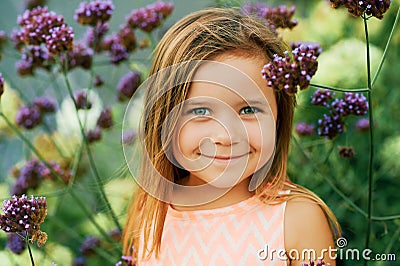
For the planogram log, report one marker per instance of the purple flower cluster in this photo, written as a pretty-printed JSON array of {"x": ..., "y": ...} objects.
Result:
[
  {"x": 89, "y": 245},
  {"x": 31, "y": 175},
  {"x": 279, "y": 17},
  {"x": 331, "y": 125},
  {"x": 375, "y": 8},
  {"x": 30, "y": 116},
  {"x": 351, "y": 104},
  {"x": 31, "y": 4},
  {"x": 33, "y": 57},
  {"x": 275, "y": 17},
  {"x": 81, "y": 100},
  {"x": 362, "y": 125},
  {"x": 79, "y": 56},
  {"x": 60, "y": 39},
  {"x": 105, "y": 119},
  {"x": 291, "y": 73},
  {"x": 304, "y": 129},
  {"x": 127, "y": 85},
  {"x": 1, "y": 84},
  {"x": 322, "y": 97},
  {"x": 346, "y": 152},
  {"x": 103, "y": 122},
  {"x": 94, "y": 12},
  {"x": 16, "y": 243},
  {"x": 41, "y": 26},
  {"x": 25, "y": 215},
  {"x": 149, "y": 17},
  {"x": 94, "y": 36}
]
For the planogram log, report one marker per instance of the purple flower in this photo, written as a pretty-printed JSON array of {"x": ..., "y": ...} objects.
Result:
[
  {"x": 105, "y": 119},
  {"x": 30, "y": 4},
  {"x": 56, "y": 171},
  {"x": 24, "y": 68},
  {"x": 346, "y": 152},
  {"x": 79, "y": 56},
  {"x": 98, "y": 81},
  {"x": 79, "y": 261},
  {"x": 60, "y": 39},
  {"x": 25, "y": 215},
  {"x": 145, "y": 19},
  {"x": 81, "y": 100},
  {"x": 16, "y": 243},
  {"x": 330, "y": 126},
  {"x": 362, "y": 125},
  {"x": 127, "y": 38},
  {"x": 339, "y": 106},
  {"x": 36, "y": 24},
  {"x": 1, "y": 84},
  {"x": 118, "y": 53},
  {"x": 321, "y": 97},
  {"x": 312, "y": 263},
  {"x": 165, "y": 9},
  {"x": 357, "y": 104},
  {"x": 94, "y": 12},
  {"x": 128, "y": 84},
  {"x": 89, "y": 245},
  {"x": 94, "y": 36},
  {"x": 93, "y": 135},
  {"x": 304, "y": 129},
  {"x": 149, "y": 17},
  {"x": 28, "y": 117},
  {"x": 279, "y": 17},
  {"x": 29, "y": 177},
  {"x": 45, "y": 104},
  {"x": 375, "y": 8},
  {"x": 291, "y": 74}
]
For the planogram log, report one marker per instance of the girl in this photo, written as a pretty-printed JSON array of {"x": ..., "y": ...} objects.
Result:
[{"x": 215, "y": 139}]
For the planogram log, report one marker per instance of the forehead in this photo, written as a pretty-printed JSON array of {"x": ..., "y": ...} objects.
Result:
[{"x": 232, "y": 77}]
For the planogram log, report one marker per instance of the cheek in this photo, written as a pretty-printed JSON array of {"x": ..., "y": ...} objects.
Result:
[
  {"x": 187, "y": 139},
  {"x": 262, "y": 138}
]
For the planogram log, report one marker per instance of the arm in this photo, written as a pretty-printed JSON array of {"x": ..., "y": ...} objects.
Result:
[{"x": 307, "y": 230}]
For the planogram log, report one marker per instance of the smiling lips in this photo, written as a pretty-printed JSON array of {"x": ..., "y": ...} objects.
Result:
[{"x": 221, "y": 158}]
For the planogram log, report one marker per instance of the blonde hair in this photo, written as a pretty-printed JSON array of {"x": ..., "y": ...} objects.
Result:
[{"x": 203, "y": 35}]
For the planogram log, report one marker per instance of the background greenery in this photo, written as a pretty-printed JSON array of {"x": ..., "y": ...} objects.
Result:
[{"x": 314, "y": 161}]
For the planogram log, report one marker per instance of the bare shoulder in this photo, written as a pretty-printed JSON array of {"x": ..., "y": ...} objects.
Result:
[{"x": 307, "y": 229}]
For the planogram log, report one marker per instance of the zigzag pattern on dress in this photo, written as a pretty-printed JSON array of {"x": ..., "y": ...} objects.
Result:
[{"x": 230, "y": 235}]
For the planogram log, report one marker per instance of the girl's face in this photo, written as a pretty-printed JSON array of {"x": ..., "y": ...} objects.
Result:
[{"x": 227, "y": 128}]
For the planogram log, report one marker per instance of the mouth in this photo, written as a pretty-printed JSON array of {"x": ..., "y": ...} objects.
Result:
[{"x": 225, "y": 158}]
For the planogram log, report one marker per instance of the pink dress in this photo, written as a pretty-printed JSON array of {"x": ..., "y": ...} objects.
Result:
[{"x": 247, "y": 233}]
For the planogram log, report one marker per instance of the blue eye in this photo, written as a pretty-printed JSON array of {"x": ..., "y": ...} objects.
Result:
[
  {"x": 200, "y": 111},
  {"x": 249, "y": 110}
]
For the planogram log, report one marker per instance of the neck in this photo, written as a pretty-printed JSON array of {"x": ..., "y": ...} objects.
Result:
[{"x": 236, "y": 194}]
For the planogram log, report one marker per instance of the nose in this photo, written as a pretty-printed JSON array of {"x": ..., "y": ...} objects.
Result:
[{"x": 228, "y": 130}]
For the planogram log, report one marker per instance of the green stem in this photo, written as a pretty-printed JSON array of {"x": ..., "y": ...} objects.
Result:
[
  {"x": 29, "y": 249},
  {"x": 330, "y": 183},
  {"x": 71, "y": 192},
  {"x": 386, "y": 47},
  {"x": 89, "y": 153},
  {"x": 371, "y": 140},
  {"x": 338, "y": 89}
]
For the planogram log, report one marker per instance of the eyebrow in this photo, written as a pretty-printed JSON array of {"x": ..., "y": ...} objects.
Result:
[{"x": 203, "y": 103}]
